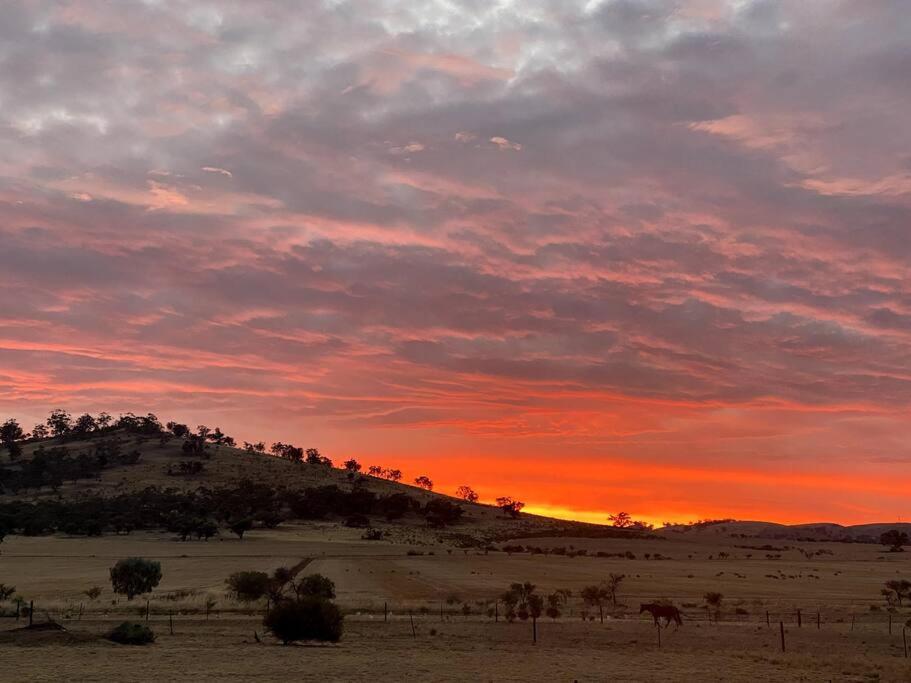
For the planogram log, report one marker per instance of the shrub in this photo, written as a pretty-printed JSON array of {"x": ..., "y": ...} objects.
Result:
[
  {"x": 316, "y": 585},
  {"x": 308, "y": 618},
  {"x": 135, "y": 576},
  {"x": 372, "y": 535},
  {"x": 130, "y": 633},
  {"x": 248, "y": 586}
]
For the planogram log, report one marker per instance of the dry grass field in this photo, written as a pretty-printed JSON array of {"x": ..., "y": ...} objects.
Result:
[{"x": 54, "y": 572}]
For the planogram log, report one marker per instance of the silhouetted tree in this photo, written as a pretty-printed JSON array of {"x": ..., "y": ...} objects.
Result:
[
  {"x": 895, "y": 539},
  {"x": 104, "y": 420},
  {"x": 135, "y": 576},
  {"x": 287, "y": 451},
  {"x": 622, "y": 520},
  {"x": 352, "y": 466},
  {"x": 10, "y": 434},
  {"x": 315, "y": 458},
  {"x": 177, "y": 429},
  {"x": 40, "y": 431},
  {"x": 59, "y": 422},
  {"x": 424, "y": 482},
  {"x": 467, "y": 494},
  {"x": 509, "y": 506},
  {"x": 84, "y": 424}
]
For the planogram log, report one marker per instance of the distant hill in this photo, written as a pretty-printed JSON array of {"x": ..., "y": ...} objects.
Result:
[{"x": 822, "y": 531}]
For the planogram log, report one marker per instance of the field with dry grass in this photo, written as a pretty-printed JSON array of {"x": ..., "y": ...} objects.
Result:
[{"x": 447, "y": 592}]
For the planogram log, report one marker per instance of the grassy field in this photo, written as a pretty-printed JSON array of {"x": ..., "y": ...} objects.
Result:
[{"x": 419, "y": 580}]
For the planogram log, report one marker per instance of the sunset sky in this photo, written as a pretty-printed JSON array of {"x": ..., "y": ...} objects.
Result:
[{"x": 641, "y": 255}]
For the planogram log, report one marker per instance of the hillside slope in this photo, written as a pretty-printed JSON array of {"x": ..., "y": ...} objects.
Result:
[{"x": 157, "y": 464}]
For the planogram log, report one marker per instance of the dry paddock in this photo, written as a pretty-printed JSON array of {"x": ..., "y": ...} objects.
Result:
[{"x": 457, "y": 649}]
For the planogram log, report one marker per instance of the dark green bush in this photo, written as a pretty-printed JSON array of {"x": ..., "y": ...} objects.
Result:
[
  {"x": 306, "y": 618},
  {"x": 248, "y": 586},
  {"x": 131, "y": 633}
]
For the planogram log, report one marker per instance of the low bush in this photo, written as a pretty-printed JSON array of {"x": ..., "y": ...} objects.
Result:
[
  {"x": 307, "y": 618},
  {"x": 131, "y": 633}
]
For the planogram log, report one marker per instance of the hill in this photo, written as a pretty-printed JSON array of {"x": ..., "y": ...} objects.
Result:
[
  {"x": 817, "y": 532},
  {"x": 183, "y": 475}
]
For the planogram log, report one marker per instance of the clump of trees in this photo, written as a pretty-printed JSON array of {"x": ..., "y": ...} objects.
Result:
[
  {"x": 424, "y": 482},
  {"x": 384, "y": 473},
  {"x": 623, "y": 520},
  {"x": 895, "y": 539},
  {"x": 302, "y": 609},
  {"x": 135, "y": 576}
]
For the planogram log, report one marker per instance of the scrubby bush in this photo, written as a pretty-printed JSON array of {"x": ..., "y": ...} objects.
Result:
[
  {"x": 131, "y": 633},
  {"x": 248, "y": 586},
  {"x": 306, "y": 618}
]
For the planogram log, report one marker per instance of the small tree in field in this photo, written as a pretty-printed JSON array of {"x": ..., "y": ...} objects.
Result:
[
  {"x": 135, "y": 576},
  {"x": 612, "y": 585},
  {"x": 713, "y": 601},
  {"x": 240, "y": 527},
  {"x": 895, "y": 539},
  {"x": 896, "y": 590},
  {"x": 424, "y": 482},
  {"x": 595, "y": 596}
]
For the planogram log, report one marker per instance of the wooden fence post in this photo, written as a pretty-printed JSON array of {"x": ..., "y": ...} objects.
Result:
[
  {"x": 385, "y": 612},
  {"x": 659, "y": 635},
  {"x": 148, "y": 609},
  {"x": 31, "y": 611},
  {"x": 905, "y": 640},
  {"x": 413, "y": 632},
  {"x": 799, "y": 620},
  {"x": 781, "y": 627},
  {"x": 441, "y": 611},
  {"x": 818, "y": 620},
  {"x": 171, "y": 621},
  {"x": 18, "y": 607},
  {"x": 890, "y": 623},
  {"x": 767, "y": 623},
  {"x": 534, "y": 631},
  {"x": 496, "y": 612}
]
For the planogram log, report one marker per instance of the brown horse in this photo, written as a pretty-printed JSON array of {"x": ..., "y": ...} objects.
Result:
[{"x": 658, "y": 611}]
